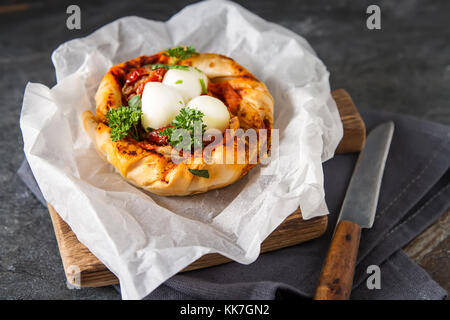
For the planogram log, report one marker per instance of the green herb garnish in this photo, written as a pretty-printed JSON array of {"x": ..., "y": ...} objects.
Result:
[
  {"x": 124, "y": 120},
  {"x": 169, "y": 66},
  {"x": 180, "y": 53},
  {"x": 202, "y": 83},
  {"x": 200, "y": 173},
  {"x": 187, "y": 119},
  {"x": 135, "y": 102},
  {"x": 178, "y": 81}
]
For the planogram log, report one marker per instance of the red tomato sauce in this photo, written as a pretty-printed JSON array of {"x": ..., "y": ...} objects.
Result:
[
  {"x": 225, "y": 92},
  {"x": 156, "y": 75}
]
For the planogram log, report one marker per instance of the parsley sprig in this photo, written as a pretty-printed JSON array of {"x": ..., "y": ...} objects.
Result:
[
  {"x": 200, "y": 173},
  {"x": 169, "y": 66},
  {"x": 124, "y": 120},
  {"x": 203, "y": 85},
  {"x": 180, "y": 53},
  {"x": 188, "y": 119}
]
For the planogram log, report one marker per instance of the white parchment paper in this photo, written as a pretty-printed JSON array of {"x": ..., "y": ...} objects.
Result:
[{"x": 145, "y": 239}]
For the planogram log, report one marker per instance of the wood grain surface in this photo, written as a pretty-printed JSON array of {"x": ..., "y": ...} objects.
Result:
[
  {"x": 429, "y": 239},
  {"x": 82, "y": 267},
  {"x": 354, "y": 128},
  {"x": 336, "y": 278}
]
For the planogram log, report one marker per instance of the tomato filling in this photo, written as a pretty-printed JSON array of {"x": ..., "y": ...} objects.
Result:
[
  {"x": 225, "y": 92},
  {"x": 134, "y": 75},
  {"x": 137, "y": 78},
  {"x": 156, "y": 137}
]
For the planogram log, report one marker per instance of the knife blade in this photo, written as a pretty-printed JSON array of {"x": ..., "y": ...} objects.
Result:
[{"x": 358, "y": 211}]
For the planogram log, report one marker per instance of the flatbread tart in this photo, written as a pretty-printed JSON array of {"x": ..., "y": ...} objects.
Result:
[{"x": 140, "y": 104}]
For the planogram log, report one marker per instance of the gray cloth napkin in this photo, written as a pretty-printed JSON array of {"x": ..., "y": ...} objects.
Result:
[{"x": 415, "y": 192}]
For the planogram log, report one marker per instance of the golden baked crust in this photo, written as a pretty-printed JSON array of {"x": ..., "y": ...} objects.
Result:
[{"x": 153, "y": 170}]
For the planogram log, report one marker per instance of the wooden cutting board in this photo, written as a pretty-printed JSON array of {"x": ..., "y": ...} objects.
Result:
[{"x": 81, "y": 266}]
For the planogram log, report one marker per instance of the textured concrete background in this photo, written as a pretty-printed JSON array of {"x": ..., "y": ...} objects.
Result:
[{"x": 405, "y": 68}]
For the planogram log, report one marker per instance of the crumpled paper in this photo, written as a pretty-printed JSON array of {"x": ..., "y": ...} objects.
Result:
[{"x": 145, "y": 239}]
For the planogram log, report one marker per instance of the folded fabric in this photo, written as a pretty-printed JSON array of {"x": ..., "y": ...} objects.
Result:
[{"x": 414, "y": 193}]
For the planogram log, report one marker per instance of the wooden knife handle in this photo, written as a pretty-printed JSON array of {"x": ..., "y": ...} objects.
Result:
[{"x": 336, "y": 278}]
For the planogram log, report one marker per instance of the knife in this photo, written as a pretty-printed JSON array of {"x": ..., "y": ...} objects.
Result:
[{"x": 358, "y": 211}]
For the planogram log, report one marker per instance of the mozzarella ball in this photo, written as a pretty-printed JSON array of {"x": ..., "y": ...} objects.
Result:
[
  {"x": 215, "y": 111},
  {"x": 187, "y": 82},
  {"x": 160, "y": 105}
]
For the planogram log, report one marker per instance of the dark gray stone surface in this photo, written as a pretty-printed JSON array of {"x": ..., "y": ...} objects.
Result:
[{"x": 405, "y": 68}]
